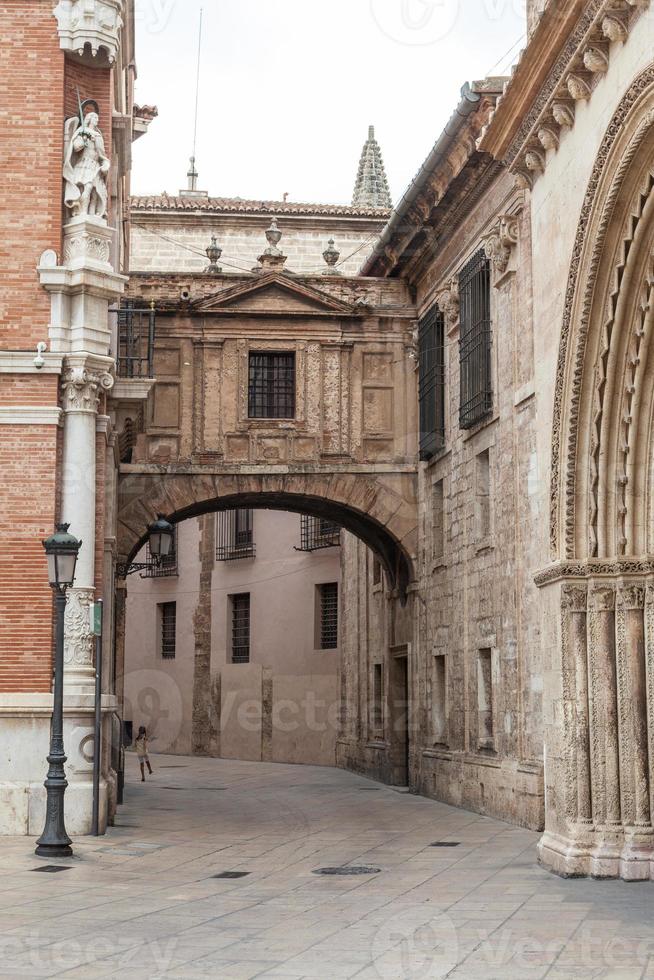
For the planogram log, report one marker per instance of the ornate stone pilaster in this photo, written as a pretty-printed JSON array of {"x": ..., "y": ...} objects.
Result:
[
  {"x": 576, "y": 708},
  {"x": 604, "y": 707},
  {"x": 632, "y": 699},
  {"x": 84, "y": 379}
]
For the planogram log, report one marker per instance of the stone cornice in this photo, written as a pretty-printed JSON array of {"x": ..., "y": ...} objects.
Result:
[
  {"x": 536, "y": 62},
  {"x": 568, "y": 53},
  {"x": 22, "y": 362},
  {"x": 30, "y": 415}
]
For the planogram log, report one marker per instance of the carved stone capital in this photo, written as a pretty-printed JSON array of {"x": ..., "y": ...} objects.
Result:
[
  {"x": 87, "y": 243},
  {"x": 602, "y": 600},
  {"x": 78, "y": 638},
  {"x": 448, "y": 301},
  {"x": 574, "y": 598},
  {"x": 96, "y": 23},
  {"x": 535, "y": 161},
  {"x": 81, "y": 388},
  {"x": 631, "y": 597},
  {"x": 501, "y": 241}
]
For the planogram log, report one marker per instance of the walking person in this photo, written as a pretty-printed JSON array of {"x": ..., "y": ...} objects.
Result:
[{"x": 141, "y": 746}]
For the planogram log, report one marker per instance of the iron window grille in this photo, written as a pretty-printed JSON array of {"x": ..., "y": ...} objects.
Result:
[
  {"x": 271, "y": 391},
  {"x": 475, "y": 342},
  {"x": 136, "y": 336},
  {"x": 328, "y": 616},
  {"x": 431, "y": 358},
  {"x": 168, "y": 630},
  {"x": 317, "y": 533},
  {"x": 240, "y": 628},
  {"x": 163, "y": 567},
  {"x": 235, "y": 535}
]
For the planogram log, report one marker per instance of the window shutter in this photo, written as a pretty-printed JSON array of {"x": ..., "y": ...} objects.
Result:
[
  {"x": 475, "y": 342},
  {"x": 431, "y": 355}
]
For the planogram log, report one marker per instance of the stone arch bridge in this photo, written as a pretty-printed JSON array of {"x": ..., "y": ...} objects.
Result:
[{"x": 347, "y": 446}]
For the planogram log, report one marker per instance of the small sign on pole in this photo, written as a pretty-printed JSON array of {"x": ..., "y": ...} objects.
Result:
[{"x": 96, "y": 618}]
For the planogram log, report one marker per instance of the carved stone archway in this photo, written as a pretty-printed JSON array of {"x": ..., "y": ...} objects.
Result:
[{"x": 600, "y": 590}]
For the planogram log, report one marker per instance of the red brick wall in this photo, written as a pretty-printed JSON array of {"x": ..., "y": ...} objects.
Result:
[
  {"x": 31, "y": 149},
  {"x": 28, "y": 463}
]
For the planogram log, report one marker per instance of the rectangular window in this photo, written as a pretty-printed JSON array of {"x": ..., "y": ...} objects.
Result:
[
  {"x": 271, "y": 393},
  {"x": 438, "y": 521},
  {"x": 317, "y": 533},
  {"x": 240, "y": 628},
  {"x": 482, "y": 496},
  {"x": 485, "y": 699},
  {"x": 377, "y": 718},
  {"x": 475, "y": 341},
  {"x": 376, "y": 572},
  {"x": 328, "y": 595},
  {"x": 431, "y": 385},
  {"x": 161, "y": 567},
  {"x": 438, "y": 700},
  {"x": 168, "y": 629},
  {"x": 235, "y": 535}
]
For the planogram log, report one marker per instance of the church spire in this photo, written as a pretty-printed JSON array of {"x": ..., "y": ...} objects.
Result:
[{"x": 371, "y": 189}]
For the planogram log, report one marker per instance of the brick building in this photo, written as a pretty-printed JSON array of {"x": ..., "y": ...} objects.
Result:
[{"x": 62, "y": 269}]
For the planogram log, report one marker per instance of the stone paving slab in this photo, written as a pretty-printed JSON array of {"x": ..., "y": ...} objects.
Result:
[{"x": 143, "y": 900}]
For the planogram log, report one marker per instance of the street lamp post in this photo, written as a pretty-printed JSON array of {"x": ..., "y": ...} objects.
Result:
[{"x": 61, "y": 550}]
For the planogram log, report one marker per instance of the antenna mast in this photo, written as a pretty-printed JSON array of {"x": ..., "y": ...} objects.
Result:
[{"x": 193, "y": 174}]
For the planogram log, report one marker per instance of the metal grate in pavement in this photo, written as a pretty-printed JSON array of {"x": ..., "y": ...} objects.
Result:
[
  {"x": 348, "y": 870},
  {"x": 232, "y": 874},
  {"x": 446, "y": 843},
  {"x": 53, "y": 868}
]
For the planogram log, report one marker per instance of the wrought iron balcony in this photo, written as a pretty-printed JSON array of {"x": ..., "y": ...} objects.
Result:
[{"x": 318, "y": 533}]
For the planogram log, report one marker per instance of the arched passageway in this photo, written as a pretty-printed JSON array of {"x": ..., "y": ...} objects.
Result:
[{"x": 383, "y": 514}]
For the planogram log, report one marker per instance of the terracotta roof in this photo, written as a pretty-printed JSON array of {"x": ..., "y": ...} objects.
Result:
[{"x": 237, "y": 205}]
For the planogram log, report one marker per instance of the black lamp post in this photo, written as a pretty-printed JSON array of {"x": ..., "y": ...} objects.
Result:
[{"x": 61, "y": 550}]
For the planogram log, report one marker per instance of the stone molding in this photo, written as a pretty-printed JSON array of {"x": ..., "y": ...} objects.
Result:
[
  {"x": 584, "y": 58},
  {"x": 30, "y": 415},
  {"x": 87, "y": 243},
  {"x": 93, "y": 23},
  {"x": 582, "y": 284}
]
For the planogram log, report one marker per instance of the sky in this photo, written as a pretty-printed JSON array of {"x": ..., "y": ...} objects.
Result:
[{"x": 288, "y": 88}]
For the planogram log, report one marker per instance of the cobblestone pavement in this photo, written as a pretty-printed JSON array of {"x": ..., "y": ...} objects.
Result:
[{"x": 144, "y": 901}]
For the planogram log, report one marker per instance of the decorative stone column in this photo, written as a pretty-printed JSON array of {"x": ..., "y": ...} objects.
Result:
[
  {"x": 633, "y": 727},
  {"x": 83, "y": 380}
]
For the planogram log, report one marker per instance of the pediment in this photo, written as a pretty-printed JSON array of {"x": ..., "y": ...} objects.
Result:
[{"x": 274, "y": 295}]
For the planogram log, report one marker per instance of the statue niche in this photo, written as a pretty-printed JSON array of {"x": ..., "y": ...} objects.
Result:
[{"x": 86, "y": 165}]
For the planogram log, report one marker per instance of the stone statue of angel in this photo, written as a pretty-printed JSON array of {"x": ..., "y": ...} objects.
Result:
[{"x": 86, "y": 166}]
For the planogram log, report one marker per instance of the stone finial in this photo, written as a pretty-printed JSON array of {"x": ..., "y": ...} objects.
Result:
[
  {"x": 331, "y": 256},
  {"x": 272, "y": 258},
  {"x": 371, "y": 188},
  {"x": 214, "y": 251}
]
